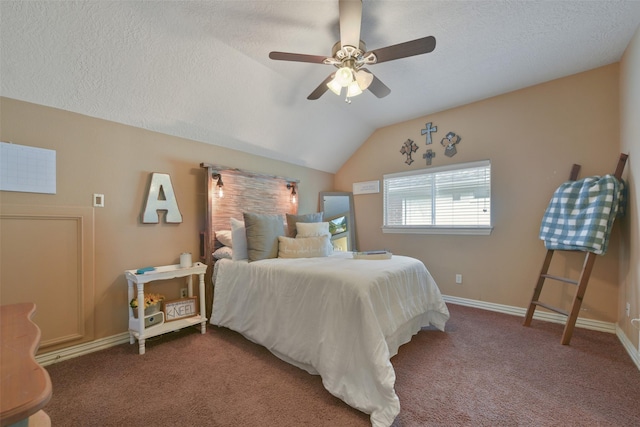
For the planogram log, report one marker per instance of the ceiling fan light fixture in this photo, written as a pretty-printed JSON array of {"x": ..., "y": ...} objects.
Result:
[
  {"x": 364, "y": 79},
  {"x": 335, "y": 86},
  {"x": 353, "y": 89},
  {"x": 344, "y": 76}
]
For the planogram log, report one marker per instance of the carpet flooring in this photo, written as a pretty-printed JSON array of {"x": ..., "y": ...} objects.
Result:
[{"x": 486, "y": 369}]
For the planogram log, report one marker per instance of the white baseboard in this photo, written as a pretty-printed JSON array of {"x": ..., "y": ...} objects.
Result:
[
  {"x": 81, "y": 349},
  {"x": 633, "y": 352},
  {"x": 596, "y": 325}
]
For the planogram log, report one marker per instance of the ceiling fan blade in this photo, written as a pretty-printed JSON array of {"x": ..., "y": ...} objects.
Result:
[
  {"x": 350, "y": 20},
  {"x": 376, "y": 87},
  {"x": 320, "y": 90},
  {"x": 297, "y": 57},
  {"x": 406, "y": 49}
]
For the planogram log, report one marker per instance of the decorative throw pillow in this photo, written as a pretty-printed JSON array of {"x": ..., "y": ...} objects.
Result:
[
  {"x": 262, "y": 235},
  {"x": 293, "y": 219},
  {"x": 303, "y": 247},
  {"x": 223, "y": 252},
  {"x": 239, "y": 240},
  {"x": 312, "y": 229},
  {"x": 225, "y": 238}
]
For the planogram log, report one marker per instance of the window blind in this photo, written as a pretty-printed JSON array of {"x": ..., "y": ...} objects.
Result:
[{"x": 454, "y": 196}]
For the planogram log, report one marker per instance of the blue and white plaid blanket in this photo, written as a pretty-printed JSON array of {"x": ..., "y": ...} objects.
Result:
[{"x": 581, "y": 214}]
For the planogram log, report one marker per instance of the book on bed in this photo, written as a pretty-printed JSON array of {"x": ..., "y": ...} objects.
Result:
[{"x": 380, "y": 254}]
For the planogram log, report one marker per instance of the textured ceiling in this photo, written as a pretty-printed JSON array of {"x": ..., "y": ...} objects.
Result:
[{"x": 200, "y": 69}]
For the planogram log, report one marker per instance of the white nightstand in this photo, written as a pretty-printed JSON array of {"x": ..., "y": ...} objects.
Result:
[{"x": 137, "y": 328}]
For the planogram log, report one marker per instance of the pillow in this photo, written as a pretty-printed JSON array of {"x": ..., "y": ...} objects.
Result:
[
  {"x": 293, "y": 219},
  {"x": 262, "y": 235},
  {"x": 224, "y": 237},
  {"x": 303, "y": 247},
  {"x": 223, "y": 252},
  {"x": 239, "y": 240},
  {"x": 313, "y": 229}
]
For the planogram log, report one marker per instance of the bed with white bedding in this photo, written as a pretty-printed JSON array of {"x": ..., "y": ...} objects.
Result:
[{"x": 336, "y": 316}]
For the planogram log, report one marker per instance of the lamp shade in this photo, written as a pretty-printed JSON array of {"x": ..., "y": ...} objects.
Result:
[
  {"x": 364, "y": 79},
  {"x": 344, "y": 76},
  {"x": 353, "y": 89},
  {"x": 335, "y": 86}
]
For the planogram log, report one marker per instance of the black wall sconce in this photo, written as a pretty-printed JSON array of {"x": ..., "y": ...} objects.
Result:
[
  {"x": 292, "y": 186},
  {"x": 219, "y": 184}
]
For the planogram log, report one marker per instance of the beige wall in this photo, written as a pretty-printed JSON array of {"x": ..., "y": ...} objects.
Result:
[
  {"x": 97, "y": 156},
  {"x": 630, "y": 137},
  {"x": 532, "y": 137}
]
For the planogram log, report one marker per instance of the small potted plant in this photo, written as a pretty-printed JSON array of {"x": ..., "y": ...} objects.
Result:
[{"x": 152, "y": 303}]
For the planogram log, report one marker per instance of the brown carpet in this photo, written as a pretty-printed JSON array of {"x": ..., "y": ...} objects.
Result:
[{"x": 486, "y": 369}]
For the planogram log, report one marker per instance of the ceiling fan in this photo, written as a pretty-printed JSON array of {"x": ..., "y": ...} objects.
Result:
[{"x": 350, "y": 56}]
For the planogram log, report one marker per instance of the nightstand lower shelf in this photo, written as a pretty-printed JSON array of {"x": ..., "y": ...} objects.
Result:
[{"x": 163, "y": 328}]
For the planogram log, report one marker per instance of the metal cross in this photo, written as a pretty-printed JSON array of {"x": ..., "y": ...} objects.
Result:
[
  {"x": 429, "y": 155},
  {"x": 408, "y": 148},
  {"x": 428, "y": 131},
  {"x": 449, "y": 143}
]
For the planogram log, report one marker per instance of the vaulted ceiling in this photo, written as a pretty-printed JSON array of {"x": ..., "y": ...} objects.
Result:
[{"x": 201, "y": 70}]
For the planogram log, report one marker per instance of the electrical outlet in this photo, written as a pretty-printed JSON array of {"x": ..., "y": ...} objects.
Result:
[
  {"x": 628, "y": 309},
  {"x": 183, "y": 292},
  {"x": 458, "y": 278}
]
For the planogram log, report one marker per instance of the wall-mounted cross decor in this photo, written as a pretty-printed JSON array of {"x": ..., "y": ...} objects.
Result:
[
  {"x": 428, "y": 129},
  {"x": 407, "y": 148},
  {"x": 449, "y": 143},
  {"x": 430, "y": 154}
]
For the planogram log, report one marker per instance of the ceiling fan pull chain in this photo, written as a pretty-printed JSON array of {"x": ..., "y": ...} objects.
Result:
[{"x": 347, "y": 100}]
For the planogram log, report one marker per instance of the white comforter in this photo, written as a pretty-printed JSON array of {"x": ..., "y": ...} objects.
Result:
[{"x": 339, "y": 317}]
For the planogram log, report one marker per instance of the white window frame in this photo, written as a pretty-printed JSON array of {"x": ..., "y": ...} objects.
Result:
[{"x": 436, "y": 229}]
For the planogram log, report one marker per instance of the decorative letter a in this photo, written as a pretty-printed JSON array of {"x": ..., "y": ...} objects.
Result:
[{"x": 161, "y": 184}]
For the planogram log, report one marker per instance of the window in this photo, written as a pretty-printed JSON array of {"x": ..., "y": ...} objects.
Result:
[{"x": 453, "y": 199}]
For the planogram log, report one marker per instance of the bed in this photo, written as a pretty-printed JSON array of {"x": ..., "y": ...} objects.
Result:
[
  {"x": 336, "y": 316},
  {"x": 328, "y": 313}
]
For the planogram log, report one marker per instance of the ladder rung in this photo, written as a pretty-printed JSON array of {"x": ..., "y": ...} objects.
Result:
[
  {"x": 560, "y": 279},
  {"x": 549, "y": 307}
]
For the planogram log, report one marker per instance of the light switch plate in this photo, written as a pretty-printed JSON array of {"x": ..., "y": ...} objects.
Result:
[{"x": 98, "y": 200}]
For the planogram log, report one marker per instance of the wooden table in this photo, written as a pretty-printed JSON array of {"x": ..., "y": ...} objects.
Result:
[{"x": 25, "y": 386}]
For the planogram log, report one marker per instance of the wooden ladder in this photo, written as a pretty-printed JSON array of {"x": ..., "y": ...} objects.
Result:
[{"x": 582, "y": 281}]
